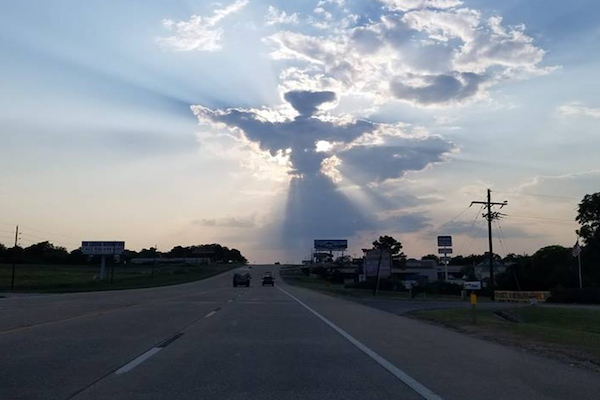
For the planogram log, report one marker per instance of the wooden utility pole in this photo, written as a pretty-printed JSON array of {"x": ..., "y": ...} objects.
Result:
[
  {"x": 12, "y": 278},
  {"x": 489, "y": 215}
]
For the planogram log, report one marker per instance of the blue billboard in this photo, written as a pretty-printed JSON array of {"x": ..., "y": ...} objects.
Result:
[{"x": 331, "y": 244}]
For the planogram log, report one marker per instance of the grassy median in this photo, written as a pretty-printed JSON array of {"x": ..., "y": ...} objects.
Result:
[
  {"x": 568, "y": 333},
  {"x": 82, "y": 278}
]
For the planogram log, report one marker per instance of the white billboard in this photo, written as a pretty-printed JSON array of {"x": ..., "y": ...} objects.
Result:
[
  {"x": 371, "y": 263},
  {"x": 102, "y": 248}
]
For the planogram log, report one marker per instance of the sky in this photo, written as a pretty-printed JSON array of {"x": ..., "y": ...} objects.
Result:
[{"x": 263, "y": 125}]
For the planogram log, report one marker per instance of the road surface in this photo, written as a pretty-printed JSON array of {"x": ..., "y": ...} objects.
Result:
[{"x": 208, "y": 340}]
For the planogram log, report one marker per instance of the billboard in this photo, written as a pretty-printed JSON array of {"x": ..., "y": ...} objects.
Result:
[
  {"x": 104, "y": 248},
  {"x": 371, "y": 263},
  {"x": 444, "y": 241},
  {"x": 331, "y": 245}
]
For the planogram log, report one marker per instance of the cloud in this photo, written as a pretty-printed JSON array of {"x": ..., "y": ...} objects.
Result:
[
  {"x": 277, "y": 17},
  {"x": 576, "y": 109},
  {"x": 424, "y": 52},
  {"x": 199, "y": 33},
  {"x": 327, "y": 153},
  {"x": 567, "y": 186},
  {"x": 435, "y": 89},
  {"x": 406, "y": 5},
  {"x": 228, "y": 222},
  {"x": 365, "y": 151}
]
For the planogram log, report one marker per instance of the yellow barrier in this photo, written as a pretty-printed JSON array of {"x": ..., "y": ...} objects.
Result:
[{"x": 524, "y": 297}]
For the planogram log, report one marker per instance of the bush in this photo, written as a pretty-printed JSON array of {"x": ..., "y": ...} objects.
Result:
[
  {"x": 581, "y": 296},
  {"x": 384, "y": 284},
  {"x": 337, "y": 277},
  {"x": 441, "y": 287}
]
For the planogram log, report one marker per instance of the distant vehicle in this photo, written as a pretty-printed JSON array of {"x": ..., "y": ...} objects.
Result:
[
  {"x": 268, "y": 279},
  {"x": 241, "y": 279},
  {"x": 277, "y": 263}
]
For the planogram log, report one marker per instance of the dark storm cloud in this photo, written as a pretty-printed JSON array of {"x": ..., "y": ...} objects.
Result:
[
  {"x": 316, "y": 207},
  {"x": 378, "y": 163},
  {"x": 306, "y": 102},
  {"x": 439, "y": 88}
]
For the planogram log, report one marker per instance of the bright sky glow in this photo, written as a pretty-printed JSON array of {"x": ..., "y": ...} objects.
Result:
[{"x": 264, "y": 124}]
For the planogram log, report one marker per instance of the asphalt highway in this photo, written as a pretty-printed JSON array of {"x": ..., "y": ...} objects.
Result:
[{"x": 209, "y": 340}]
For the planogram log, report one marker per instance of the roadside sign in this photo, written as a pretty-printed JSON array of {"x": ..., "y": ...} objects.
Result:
[
  {"x": 445, "y": 251},
  {"x": 371, "y": 263},
  {"x": 445, "y": 259},
  {"x": 444, "y": 241},
  {"x": 335, "y": 244},
  {"x": 104, "y": 248},
  {"x": 472, "y": 285}
]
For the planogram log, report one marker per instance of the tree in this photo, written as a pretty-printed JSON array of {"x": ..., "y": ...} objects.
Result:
[
  {"x": 389, "y": 243},
  {"x": 588, "y": 216},
  {"x": 551, "y": 267},
  {"x": 431, "y": 257}
]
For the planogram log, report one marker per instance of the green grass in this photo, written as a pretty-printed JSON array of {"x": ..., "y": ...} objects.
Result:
[
  {"x": 78, "y": 278},
  {"x": 294, "y": 276},
  {"x": 568, "y": 332}
]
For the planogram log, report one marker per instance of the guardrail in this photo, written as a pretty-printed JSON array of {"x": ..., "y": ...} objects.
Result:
[{"x": 520, "y": 297}]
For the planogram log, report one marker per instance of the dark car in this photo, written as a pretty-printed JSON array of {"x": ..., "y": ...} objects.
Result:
[
  {"x": 241, "y": 279},
  {"x": 268, "y": 279}
]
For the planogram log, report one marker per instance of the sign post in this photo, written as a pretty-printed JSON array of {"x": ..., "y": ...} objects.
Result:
[
  {"x": 473, "y": 308},
  {"x": 445, "y": 248},
  {"x": 103, "y": 249}
]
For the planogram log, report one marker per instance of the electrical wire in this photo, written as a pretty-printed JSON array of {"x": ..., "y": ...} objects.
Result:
[
  {"x": 451, "y": 220},
  {"x": 536, "y": 195},
  {"x": 548, "y": 220},
  {"x": 468, "y": 233},
  {"x": 501, "y": 237},
  {"x": 481, "y": 225}
]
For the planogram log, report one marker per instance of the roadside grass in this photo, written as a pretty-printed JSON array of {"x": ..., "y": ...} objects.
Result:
[
  {"x": 83, "y": 278},
  {"x": 295, "y": 277},
  {"x": 569, "y": 333}
]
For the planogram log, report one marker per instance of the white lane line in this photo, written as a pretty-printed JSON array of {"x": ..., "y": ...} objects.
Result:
[
  {"x": 210, "y": 314},
  {"x": 397, "y": 372},
  {"x": 131, "y": 365},
  {"x": 230, "y": 300}
]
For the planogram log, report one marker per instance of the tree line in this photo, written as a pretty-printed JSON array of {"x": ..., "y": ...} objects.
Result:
[{"x": 48, "y": 253}]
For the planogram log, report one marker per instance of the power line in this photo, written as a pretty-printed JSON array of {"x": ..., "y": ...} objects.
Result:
[
  {"x": 474, "y": 237},
  {"x": 537, "y": 195},
  {"x": 48, "y": 232},
  {"x": 501, "y": 237},
  {"x": 564, "y": 221},
  {"x": 451, "y": 220},
  {"x": 468, "y": 233}
]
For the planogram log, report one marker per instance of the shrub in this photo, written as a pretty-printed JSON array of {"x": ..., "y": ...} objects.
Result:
[{"x": 581, "y": 296}]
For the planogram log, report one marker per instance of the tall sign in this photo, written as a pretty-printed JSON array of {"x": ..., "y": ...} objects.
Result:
[
  {"x": 103, "y": 248},
  {"x": 375, "y": 260},
  {"x": 445, "y": 248},
  {"x": 331, "y": 244}
]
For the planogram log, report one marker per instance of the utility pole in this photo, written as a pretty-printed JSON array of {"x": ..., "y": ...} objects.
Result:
[
  {"x": 12, "y": 278},
  {"x": 489, "y": 215}
]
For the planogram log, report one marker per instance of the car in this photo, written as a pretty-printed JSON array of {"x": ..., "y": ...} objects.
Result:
[
  {"x": 277, "y": 263},
  {"x": 241, "y": 279},
  {"x": 268, "y": 279}
]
